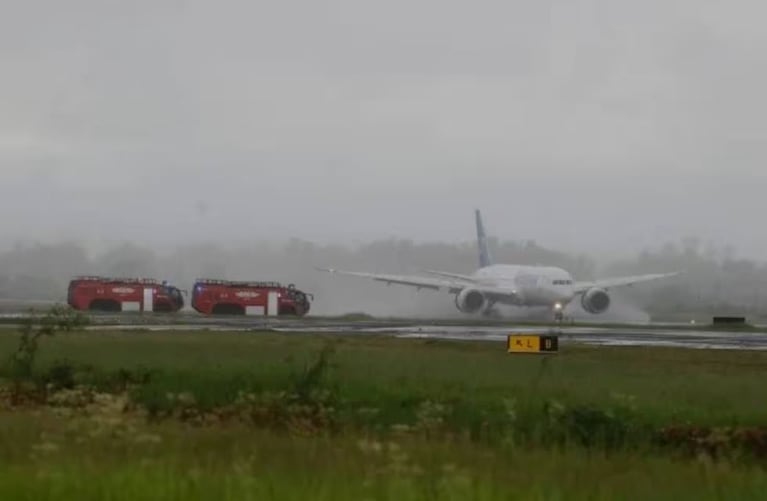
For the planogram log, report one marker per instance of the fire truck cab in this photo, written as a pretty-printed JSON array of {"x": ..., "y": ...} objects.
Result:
[
  {"x": 123, "y": 294},
  {"x": 224, "y": 297}
]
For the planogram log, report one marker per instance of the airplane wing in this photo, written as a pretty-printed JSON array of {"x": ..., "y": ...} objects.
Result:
[
  {"x": 453, "y": 285},
  {"x": 454, "y": 276},
  {"x": 609, "y": 283}
]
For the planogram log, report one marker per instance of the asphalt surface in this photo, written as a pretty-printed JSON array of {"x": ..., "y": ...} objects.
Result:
[
  {"x": 612, "y": 336},
  {"x": 628, "y": 335},
  {"x": 658, "y": 335}
]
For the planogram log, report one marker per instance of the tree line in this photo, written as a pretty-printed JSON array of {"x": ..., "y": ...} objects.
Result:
[{"x": 714, "y": 280}]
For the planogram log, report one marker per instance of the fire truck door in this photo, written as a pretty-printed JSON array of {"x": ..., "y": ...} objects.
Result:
[
  {"x": 272, "y": 306},
  {"x": 148, "y": 299}
]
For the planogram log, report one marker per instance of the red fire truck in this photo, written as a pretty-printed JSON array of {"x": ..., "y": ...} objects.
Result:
[
  {"x": 123, "y": 294},
  {"x": 224, "y": 297}
]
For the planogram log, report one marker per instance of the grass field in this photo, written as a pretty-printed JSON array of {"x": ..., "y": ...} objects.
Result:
[{"x": 174, "y": 415}]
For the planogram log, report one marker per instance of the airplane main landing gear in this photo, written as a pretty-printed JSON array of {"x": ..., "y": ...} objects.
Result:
[{"x": 490, "y": 311}]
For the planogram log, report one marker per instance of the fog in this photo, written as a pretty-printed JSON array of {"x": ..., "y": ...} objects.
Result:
[
  {"x": 596, "y": 128},
  {"x": 714, "y": 280},
  {"x": 588, "y": 126}
]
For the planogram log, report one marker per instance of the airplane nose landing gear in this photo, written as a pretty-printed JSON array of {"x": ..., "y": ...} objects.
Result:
[{"x": 559, "y": 313}]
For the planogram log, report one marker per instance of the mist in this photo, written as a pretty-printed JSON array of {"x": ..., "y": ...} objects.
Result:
[
  {"x": 259, "y": 140},
  {"x": 591, "y": 127},
  {"x": 714, "y": 280}
]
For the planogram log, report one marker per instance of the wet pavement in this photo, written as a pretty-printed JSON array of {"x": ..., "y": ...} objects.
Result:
[
  {"x": 658, "y": 335},
  {"x": 608, "y": 336}
]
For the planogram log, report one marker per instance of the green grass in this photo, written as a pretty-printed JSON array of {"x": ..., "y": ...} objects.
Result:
[
  {"x": 666, "y": 384},
  {"x": 46, "y": 459},
  {"x": 390, "y": 419}
]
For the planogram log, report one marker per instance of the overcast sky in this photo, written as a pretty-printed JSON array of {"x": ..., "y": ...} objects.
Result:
[{"x": 598, "y": 126}]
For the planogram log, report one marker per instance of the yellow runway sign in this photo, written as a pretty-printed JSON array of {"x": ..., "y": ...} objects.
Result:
[{"x": 532, "y": 343}]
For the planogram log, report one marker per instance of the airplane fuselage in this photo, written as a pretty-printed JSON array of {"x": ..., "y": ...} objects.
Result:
[{"x": 533, "y": 285}]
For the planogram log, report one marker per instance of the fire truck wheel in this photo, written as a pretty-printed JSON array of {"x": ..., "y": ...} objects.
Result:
[
  {"x": 104, "y": 305},
  {"x": 228, "y": 309},
  {"x": 302, "y": 304},
  {"x": 163, "y": 308}
]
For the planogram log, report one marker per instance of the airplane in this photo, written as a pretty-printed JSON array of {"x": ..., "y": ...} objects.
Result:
[{"x": 515, "y": 285}]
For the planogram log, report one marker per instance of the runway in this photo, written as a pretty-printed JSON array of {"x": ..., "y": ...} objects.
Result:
[
  {"x": 669, "y": 335},
  {"x": 658, "y": 335},
  {"x": 612, "y": 336}
]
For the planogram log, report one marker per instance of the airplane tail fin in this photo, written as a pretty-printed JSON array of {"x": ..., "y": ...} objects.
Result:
[{"x": 484, "y": 252}]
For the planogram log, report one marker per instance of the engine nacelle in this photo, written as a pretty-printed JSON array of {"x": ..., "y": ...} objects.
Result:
[
  {"x": 470, "y": 301},
  {"x": 595, "y": 300}
]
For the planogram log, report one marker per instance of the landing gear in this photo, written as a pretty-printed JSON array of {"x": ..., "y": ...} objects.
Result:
[
  {"x": 490, "y": 311},
  {"x": 559, "y": 313}
]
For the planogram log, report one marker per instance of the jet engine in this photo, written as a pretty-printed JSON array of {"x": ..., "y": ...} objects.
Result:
[
  {"x": 595, "y": 300},
  {"x": 470, "y": 301}
]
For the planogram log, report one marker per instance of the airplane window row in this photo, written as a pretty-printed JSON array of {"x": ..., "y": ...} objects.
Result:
[{"x": 562, "y": 282}]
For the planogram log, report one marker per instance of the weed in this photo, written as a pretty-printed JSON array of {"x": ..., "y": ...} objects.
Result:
[
  {"x": 589, "y": 426},
  {"x": 32, "y": 329},
  {"x": 61, "y": 375},
  {"x": 312, "y": 380}
]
